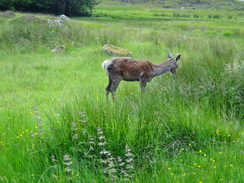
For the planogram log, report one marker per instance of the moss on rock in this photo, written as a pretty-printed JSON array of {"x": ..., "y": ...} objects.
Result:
[{"x": 117, "y": 51}]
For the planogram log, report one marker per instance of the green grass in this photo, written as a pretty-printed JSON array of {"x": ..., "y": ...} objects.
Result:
[{"x": 183, "y": 129}]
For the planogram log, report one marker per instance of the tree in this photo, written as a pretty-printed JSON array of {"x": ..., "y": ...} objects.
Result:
[
  {"x": 90, "y": 4},
  {"x": 6, "y": 4},
  {"x": 57, "y": 7}
]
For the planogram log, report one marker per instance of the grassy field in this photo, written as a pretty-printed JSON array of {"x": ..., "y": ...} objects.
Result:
[{"x": 56, "y": 125}]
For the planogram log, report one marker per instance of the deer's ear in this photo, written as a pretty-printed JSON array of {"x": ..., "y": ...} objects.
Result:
[
  {"x": 178, "y": 58},
  {"x": 169, "y": 55}
]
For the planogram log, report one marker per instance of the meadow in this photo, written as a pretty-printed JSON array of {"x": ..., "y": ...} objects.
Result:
[{"x": 56, "y": 125}]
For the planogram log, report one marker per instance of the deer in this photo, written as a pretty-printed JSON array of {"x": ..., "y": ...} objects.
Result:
[{"x": 129, "y": 69}]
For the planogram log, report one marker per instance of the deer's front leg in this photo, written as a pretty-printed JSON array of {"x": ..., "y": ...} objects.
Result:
[
  {"x": 143, "y": 83},
  {"x": 173, "y": 71}
]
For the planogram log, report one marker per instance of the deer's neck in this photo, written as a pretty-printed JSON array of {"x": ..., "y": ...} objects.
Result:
[{"x": 159, "y": 69}]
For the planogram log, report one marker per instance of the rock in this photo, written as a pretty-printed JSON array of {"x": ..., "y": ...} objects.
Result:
[
  {"x": 58, "y": 22},
  {"x": 52, "y": 22},
  {"x": 116, "y": 51},
  {"x": 60, "y": 48},
  {"x": 64, "y": 17},
  {"x": 8, "y": 14}
]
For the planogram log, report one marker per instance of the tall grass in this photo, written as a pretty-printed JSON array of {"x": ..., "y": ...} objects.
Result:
[{"x": 57, "y": 127}]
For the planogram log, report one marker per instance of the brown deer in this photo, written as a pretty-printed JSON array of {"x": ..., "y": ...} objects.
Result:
[{"x": 129, "y": 69}]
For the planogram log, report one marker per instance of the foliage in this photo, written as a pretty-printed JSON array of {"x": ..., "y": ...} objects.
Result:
[{"x": 67, "y": 7}]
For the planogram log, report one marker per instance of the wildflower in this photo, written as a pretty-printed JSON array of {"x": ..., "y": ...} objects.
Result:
[
  {"x": 68, "y": 163},
  {"x": 111, "y": 159},
  {"x": 217, "y": 131},
  {"x": 103, "y": 161},
  {"x": 105, "y": 152},
  {"x": 75, "y": 136},
  {"x": 113, "y": 170},
  {"x": 101, "y": 137},
  {"x": 129, "y": 154},
  {"x": 119, "y": 159},
  {"x": 121, "y": 164},
  {"x": 126, "y": 179},
  {"x": 54, "y": 166},
  {"x": 73, "y": 123},
  {"x": 39, "y": 119},
  {"x": 66, "y": 157},
  {"x": 129, "y": 160},
  {"x": 127, "y": 148},
  {"x": 68, "y": 170},
  {"x": 124, "y": 173},
  {"x": 91, "y": 142},
  {"x": 99, "y": 129},
  {"x": 102, "y": 143},
  {"x": 53, "y": 158},
  {"x": 111, "y": 164},
  {"x": 129, "y": 167},
  {"x": 55, "y": 176}
]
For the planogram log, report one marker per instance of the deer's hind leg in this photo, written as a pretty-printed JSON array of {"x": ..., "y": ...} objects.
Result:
[
  {"x": 112, "y": 86},
  {"x": 115, "y": 84},
  {"x": 108, "y": 89}
]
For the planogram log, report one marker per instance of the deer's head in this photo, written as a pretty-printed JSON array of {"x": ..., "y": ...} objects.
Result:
[{"x": 175, "y": 60}]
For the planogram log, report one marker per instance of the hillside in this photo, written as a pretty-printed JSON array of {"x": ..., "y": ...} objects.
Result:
[{"x": 193, "y": 4}]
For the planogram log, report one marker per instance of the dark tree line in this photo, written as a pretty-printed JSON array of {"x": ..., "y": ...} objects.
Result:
[{"x": 57, "y": 7}]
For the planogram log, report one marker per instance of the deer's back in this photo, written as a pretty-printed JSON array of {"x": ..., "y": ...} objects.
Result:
[{"x": 130, "y": 69}]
